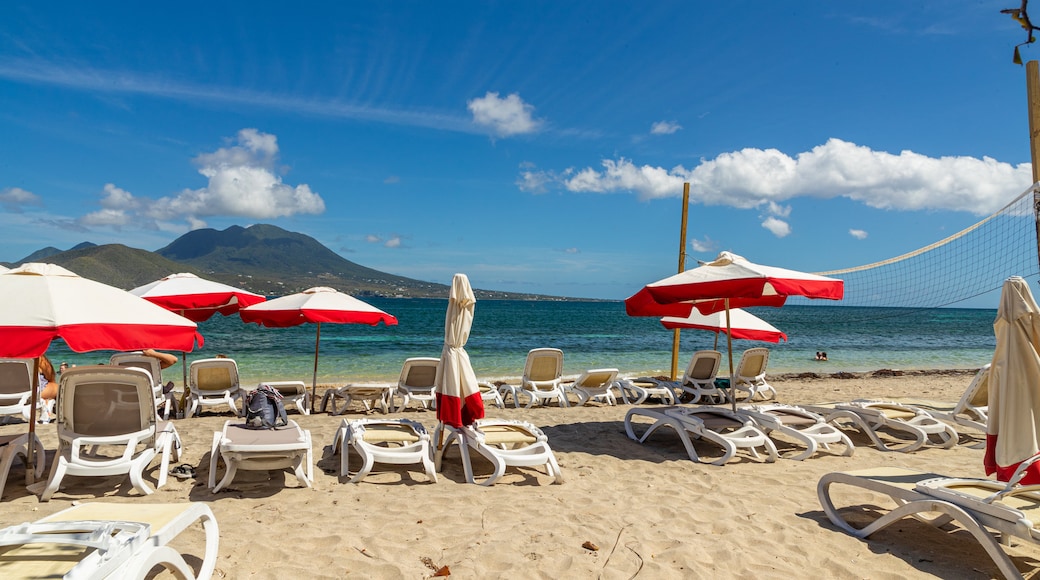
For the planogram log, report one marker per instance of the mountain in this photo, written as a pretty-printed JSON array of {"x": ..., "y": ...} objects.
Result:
[
  {"x": 261, "y": 258},
  {"x": 42, "y": 255}
]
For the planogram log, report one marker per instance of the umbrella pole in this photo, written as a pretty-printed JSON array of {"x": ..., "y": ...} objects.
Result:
[
  {"x": 314, "y": 379},
  {"x": 729, "y": 348},
  {"x": 30, "y": 456}
]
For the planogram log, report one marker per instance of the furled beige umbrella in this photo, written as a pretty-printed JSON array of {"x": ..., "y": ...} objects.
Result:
[{"x": 1013, "y": 426}]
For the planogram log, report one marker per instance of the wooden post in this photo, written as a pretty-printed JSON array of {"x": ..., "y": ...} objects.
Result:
[
  {"x": 682, "y": 268},
  {"x": 1033, "y": 92}
]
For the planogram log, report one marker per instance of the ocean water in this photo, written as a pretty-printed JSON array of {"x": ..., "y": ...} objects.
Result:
[{"x": 591, "y": 335}]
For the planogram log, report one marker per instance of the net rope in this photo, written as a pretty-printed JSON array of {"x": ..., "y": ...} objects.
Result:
[{"x": 970, "y": 263}]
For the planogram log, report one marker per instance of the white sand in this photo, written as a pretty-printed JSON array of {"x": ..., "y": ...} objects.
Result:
[{"x": 651, "y": 511}]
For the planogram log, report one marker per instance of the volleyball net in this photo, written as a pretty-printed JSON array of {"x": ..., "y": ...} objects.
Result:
[{"x": 968, "y": 264}]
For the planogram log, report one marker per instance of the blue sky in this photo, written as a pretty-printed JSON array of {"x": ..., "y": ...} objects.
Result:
[{"x": 535, "y": 146}]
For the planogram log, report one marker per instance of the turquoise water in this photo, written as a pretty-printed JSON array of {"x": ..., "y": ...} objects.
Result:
[{"x": 591, "y": 334}]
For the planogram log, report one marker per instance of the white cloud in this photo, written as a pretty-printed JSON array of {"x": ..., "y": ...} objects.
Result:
[
  {"x": 373, "y": 239},
  {"x": 779, "y": 210},
  {"x": 664, "y": 128},
  {"x": 572, "y": 251},
  {"x": 242, "y": 182},
  {"x": 707, "y": 245},
  {"x": 779, "y": 227},
  {"x": 14, "y": 198},
  {"x": 504, "y": 117},
  {"x": 752, "y": 178},
  {"x": 393, "y": 242},
  {"x": 858, "y": 234}
]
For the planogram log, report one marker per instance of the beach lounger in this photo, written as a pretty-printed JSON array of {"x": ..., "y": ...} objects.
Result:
[
  {"x": 750, "y": 374},
  {"x": 12, "y": 446},
  {"x": 240, "y": 447},
  {"x": 150, "y": 364},
  {"x": 699, "y": 379},
  {"x": 874, "y": 417},
  {"x": 505, "y": 443},
  {"x": 16, "y": 388},
  {"x": 970, "y": 411},
  {"x": 543, "y": 375},
  {"x": 395, "y": 441},
  {"x": 107, "y": 425},
  {"x": 370, "y": 396},
  {"x": 720, "y": 426},
  {"x": 294, "y": 392},
  {"x": 977, "y": 505},
  {"x": 489, "y": 394},
  {"x": 636, "y": 391},
  {"x": 808, "y": 428},
  {"x": 417, "y": 381},
  {"x": 594, "y": 385},
  {"x": 213, "y": 382},
  {"x": 108, "y": 540}
]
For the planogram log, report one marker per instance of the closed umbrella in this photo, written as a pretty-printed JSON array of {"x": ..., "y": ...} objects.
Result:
[
  {"x": 730, "y": 281},
  {"x": 196, "y": 299},
  {"x": 743, "y": 325},
  {"x": 317, "y": 305},
  {"x": 42, "y": 302},
  {"x": 1013, "y": 424},
  {"x": 458, "y": 396}
]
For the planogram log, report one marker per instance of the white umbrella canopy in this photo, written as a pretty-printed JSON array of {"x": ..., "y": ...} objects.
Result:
[
  {"x": 317, "y": 305},
  {"x": 42, "y": 302},
  {"x": 1013, "y": 425},
  {"x": 196, "y": 298},
  {"x": 730, "y": 281},
  {"x": 743, "y": 325},
  {"x": 458, "y": 395}
]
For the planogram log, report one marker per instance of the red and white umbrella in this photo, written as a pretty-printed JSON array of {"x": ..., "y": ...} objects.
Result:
[
  {"x": 1013, "y": 423},
  {"x": 730, "y": 281},
  {"x": 42, "y": 302},
  {"x": 196, "y": 298},
  {"x": 317, "y": 305},
  {"x": 458, "y": 395},
  {"x": 743, "y": 325}
]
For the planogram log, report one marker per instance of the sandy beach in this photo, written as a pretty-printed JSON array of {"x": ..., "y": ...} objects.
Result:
[{"x": 651, "y": 511}]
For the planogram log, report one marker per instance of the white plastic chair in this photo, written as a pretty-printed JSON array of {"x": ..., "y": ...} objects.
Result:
[
  {"x": 417, "y": 382},
  {"x": 394, "y": 441},
  {"x": 543, "y": 375},
  {"x": 213, "y": 382},
  {"x": 505, "y": 443},
  {"x": 242, "y": 448},
  {"x": 167, "y": 401},
  {"x": 16, "y": 388},
  {"x": 595, "y": 384},
  {"x": 107, "y": 425},
  {"x": 751, "y": 374}
]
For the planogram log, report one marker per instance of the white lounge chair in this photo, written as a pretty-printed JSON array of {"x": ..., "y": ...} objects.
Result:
[
  {"x": 543, "y": 374},
  {"x": 16, "y": 389},
  {"x": 505, "y": 443},
  {"x": 108, "y": 540},
  {"x": 395, "y": 441},
  {"x": 167, "y": 401},
  {"x": 636, "y": 391},
  {"x": 595, "y": 385},
  {"x": 107, "y": 425},
  {"x": 720, "y": 426},
  {"x": 875, "y": 417},
  {"x": 489, "y": 394},
  {"x": 699, "y": 378},
  {"x": 972, "y": 410},
  {"x": 240, "y": 447},
  {"x": 808, "y": 428},
  {"x": 750, "y": 375},
  {"x": 213, "y": 382},
  {"x": 293, "y": 392},
  {"x": 12, "y": 446},
  {"x": 977, "y": 505},
  {"x": 370, "y": 396},
  {"x": 417, "y": 381}
]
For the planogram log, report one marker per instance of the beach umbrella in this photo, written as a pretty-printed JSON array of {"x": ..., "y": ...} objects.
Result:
[
  {"x": 730, "y": 281},
  {"x": 459, "y": 401},
  {"x": 317, "y": 305},
  {"x": 1013, "y": 424},
  {"x": 196, "y": 299},
  {"x": 743, "y": 325},
  {"x": 42, "y": 302}
]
